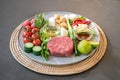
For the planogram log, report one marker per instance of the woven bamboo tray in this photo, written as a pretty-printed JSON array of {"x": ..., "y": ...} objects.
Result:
[{"x": 57, "y": 70}]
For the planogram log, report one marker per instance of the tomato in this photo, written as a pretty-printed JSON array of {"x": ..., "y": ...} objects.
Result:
[
  {"x": 26, "y": 34},
  {"x": 32, "y": 25},
  {"x": 36, "y": 36},
  {"x": 34, "y": 30},
  {"x": 37, "y": 42},
  {"x": 27, "y": 28},
  {"x": 26, "y": 23},
  {"x": 32, "y": 20},
  {"x": 27, "y": 39}
]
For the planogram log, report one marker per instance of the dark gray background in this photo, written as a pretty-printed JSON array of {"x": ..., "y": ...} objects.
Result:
[{"x": 105, "y": 13}]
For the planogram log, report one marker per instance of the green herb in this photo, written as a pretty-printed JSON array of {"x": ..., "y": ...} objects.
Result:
[
  {"x": 72, "y": 36},
  {"x": 40, "y": 21},
  {"x": 44, "y": 50}
]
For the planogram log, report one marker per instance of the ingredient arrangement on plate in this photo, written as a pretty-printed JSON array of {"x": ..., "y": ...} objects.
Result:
[{"x": 60, "y": 35}]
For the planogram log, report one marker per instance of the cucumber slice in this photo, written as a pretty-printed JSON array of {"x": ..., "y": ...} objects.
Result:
[
  {"x": 28, "y": 47},
  {"x": 36, "y": 50}
]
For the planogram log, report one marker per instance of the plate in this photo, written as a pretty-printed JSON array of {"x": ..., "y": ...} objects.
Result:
[{"x": 59, "y": 60}]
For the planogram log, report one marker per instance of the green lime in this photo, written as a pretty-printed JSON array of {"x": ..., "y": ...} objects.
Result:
[
  {"x": 84, "y": 47},
  {"x": 94, "y": 44}
]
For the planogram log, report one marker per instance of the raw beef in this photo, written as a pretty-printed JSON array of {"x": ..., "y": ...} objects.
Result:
[{"x": 61, "y": 46}]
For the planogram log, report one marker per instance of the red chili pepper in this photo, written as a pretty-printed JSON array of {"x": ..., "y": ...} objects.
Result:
[{"x": 76, "y": 22}]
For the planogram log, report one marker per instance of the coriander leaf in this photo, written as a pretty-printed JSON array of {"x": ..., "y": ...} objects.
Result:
[{"x": 40, "y": 21}]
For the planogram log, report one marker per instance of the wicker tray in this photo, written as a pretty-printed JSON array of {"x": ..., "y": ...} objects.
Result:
[{"x": 57, "y": 70}]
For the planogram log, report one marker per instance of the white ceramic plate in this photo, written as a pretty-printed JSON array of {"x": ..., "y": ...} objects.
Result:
[{"x": 58, "y": 60}]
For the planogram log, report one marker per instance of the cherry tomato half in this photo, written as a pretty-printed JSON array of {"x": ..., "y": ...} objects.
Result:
[
  {"x": 34, "y": 30},
  {"x": 26, "y": 34},
  {"x": 32, "y": 20},
  {"x": 35, "y": 36},
  {"x": 37, "y": 42},
  {"x": 27, "y": 39},
  {"x": 26, "y": 23},
  {"x": 27, "y": 28}
]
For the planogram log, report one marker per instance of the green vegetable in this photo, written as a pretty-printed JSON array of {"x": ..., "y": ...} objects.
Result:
[
  {"x": 44, "y": 50},
  {"x": 36, "y": 50},
  {"x": 70, "y": 21},
  {"x": 28, "y": 47},
  {"x": 72, "y": 36},
  {"x": 39, "y": 21}
]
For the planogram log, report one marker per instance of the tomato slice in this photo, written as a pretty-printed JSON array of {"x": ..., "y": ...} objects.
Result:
[
  {"x": 27, "y": 28},
  {"x": 27, "y": 39},
  {"x": 26, "y": 23},
  {"x": 34, "y": 30},
  {"x": 37, "y": 42},
  {"x": 26, "y": 34},
  {"x": 36, "y": 36},
  {"x": 32, "y": 20}
]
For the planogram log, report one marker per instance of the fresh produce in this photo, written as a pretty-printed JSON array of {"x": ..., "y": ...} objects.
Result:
[
  {"x": 27, "y": 28},
  {"x": 31, "y": 37},
  {"x": 35, "y": 36},
  {"x": 72, "y": 36},
  {"x": 44, "y": 50},
  {"x": 27, "y": 23},
  {"x": 94, "y": 44},
  {"x": 26, "y": 34},
  {"x": 32, "y": 21},
  {"x": 84, "y": 47},
  {"x": 27, "y": 39},
  {"x": 36, "y": 50},
  {"x": 39, "y": 21},
  {"x": 37, "y": 42},
  {"x": 35, "y": 30},
  {"x": 28, "y": 47},
  {"x": 79, "y": 21}
]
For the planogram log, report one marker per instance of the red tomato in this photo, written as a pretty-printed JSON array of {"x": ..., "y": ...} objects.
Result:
[
  {"x": 37, "y": 42},
  {"x": 32, "y": 20},
  {"x": 34, "y": 30},
  {"x": 27, "y": 28},
  {"x": 26, "y": 34},
  {"x": 27, "y": 39},
  {"x": 36, "y": 36},
  {"x": 32, "y": 25},
  {"x": 26, "y": 23}
]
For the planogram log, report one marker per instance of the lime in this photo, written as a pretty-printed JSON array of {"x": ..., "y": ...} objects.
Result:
[
  {"x": 84, "y": 47},
  {"x": 94, "y": 44}
]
